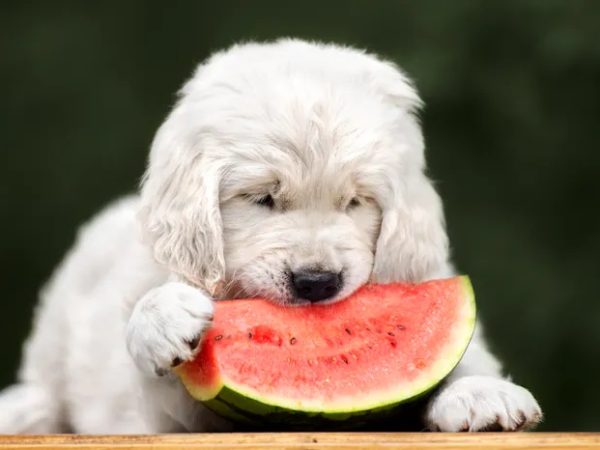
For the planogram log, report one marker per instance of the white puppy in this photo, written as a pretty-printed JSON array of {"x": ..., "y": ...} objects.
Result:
[{"x": 290, "y": 170}]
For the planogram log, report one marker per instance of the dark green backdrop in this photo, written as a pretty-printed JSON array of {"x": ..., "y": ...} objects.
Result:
[{"x": 512, "y": 90}]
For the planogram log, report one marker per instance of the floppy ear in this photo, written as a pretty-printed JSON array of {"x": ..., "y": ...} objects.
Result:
[
  {"x": 412, "y": 244},
  {"x": 180, "y": 212}
]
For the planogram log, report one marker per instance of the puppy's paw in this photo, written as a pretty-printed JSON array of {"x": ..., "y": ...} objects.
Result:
[
  {"x": 166, "y": 326},
  {"x": 481, "y": 403}
]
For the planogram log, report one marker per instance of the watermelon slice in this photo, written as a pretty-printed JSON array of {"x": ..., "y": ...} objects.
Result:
[{"x": 263, "y": 363}]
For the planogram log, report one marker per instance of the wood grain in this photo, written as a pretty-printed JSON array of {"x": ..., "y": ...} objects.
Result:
[{"x": 298, "y": 441}]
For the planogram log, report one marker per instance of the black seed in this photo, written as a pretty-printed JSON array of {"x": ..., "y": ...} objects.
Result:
[
  {"x": 401, "y": 327},
  {"x": 348, "y": 331},
  {"x": 344, "y": 359},
  {"x": 249, "y": 335},
  {"x": 292, "y": 341},
  {"x": 391, "y": 334},
  {"x": 218, "y": 337}
]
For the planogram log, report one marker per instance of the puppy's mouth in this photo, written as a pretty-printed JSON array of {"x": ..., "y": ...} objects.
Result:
[{"x": 294, "y": 288}]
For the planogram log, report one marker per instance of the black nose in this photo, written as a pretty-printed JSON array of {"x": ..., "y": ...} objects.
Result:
[{"x": 315, "y": 286}]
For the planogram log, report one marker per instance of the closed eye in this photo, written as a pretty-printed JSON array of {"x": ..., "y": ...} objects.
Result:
[
  {"x": 353, "y": 203},
  {"x": 264, "y": 200}
]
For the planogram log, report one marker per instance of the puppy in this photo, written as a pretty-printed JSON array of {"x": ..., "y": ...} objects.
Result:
[{"x": 290, "y": 170}]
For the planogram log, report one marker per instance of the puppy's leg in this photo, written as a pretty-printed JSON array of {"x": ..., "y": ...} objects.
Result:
[
  {"x": 36, "y": 404},
  {"x": 28, "y": 409},
  {"x": 477, "y": 398},
  {"x": 166, "y": 325},
  {"x": 164, "y": 329}
]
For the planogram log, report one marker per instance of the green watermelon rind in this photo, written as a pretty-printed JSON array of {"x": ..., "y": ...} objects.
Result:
[
  {"x": 233, "y": 406},
  {"x": 230, "y": 412},
  {"x": 243, "y": 404}
]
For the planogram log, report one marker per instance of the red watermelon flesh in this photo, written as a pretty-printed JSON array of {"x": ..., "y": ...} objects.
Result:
[{"x": 382, "y": 346}]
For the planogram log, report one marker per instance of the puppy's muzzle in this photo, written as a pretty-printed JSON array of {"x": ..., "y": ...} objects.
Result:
[{"x": 316, "y": 286}]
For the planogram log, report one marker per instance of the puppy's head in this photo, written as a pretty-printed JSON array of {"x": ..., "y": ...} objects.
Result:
[{"x": 293, "y": 171}]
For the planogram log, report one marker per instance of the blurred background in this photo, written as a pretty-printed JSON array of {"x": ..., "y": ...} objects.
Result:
[{"x": 512, "y": 93}]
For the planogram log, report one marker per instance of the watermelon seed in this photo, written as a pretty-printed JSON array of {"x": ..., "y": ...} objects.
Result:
[
  {"x": 249, "y": 335},
  {"x": 292, "y": 341},
  {"x": 218, "y": 337},
  {"x": 368, "y": 329},
  {"x": 401, "y": 327},
  {"x": 345, "y": 359},
  {"x": 348, "y": 331},
  {"x": 393, "y": 343},
  {"x": 370, "y": 346},
  {"x": 391, "y": 334}
]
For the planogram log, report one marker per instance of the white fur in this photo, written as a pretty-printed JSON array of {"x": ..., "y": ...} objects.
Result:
[
  {"x": 166, "y": 324},
  {"x": 330, "y": 133},
  {"x": 475, "y": 403}
]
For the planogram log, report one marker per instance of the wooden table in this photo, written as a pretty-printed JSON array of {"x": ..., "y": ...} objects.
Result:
[{"x": 297, "y": 441}]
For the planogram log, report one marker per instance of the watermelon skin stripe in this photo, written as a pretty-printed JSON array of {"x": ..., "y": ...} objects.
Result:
[
  {"x": 231, "y": 412},
  {"x": 239, "y": 409},
  {"x": 243, "y": 405},
  {"x": 257, "y": 408}
]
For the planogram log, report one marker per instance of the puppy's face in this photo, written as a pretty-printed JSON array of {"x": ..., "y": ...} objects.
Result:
[
  {"x": 293, "y": 171},
  {"x": 298, "y": 239}
]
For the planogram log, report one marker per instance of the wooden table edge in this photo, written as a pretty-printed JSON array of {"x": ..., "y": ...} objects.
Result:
[{"x": 295, "y": 441}]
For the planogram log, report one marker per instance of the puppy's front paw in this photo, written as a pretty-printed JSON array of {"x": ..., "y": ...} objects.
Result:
[
  {"x": 480, "y": 403},
  {"x": 166, "y": 326}
]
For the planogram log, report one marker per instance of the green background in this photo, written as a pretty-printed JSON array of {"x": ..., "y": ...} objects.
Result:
[{"x": 512, "y": 90}]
